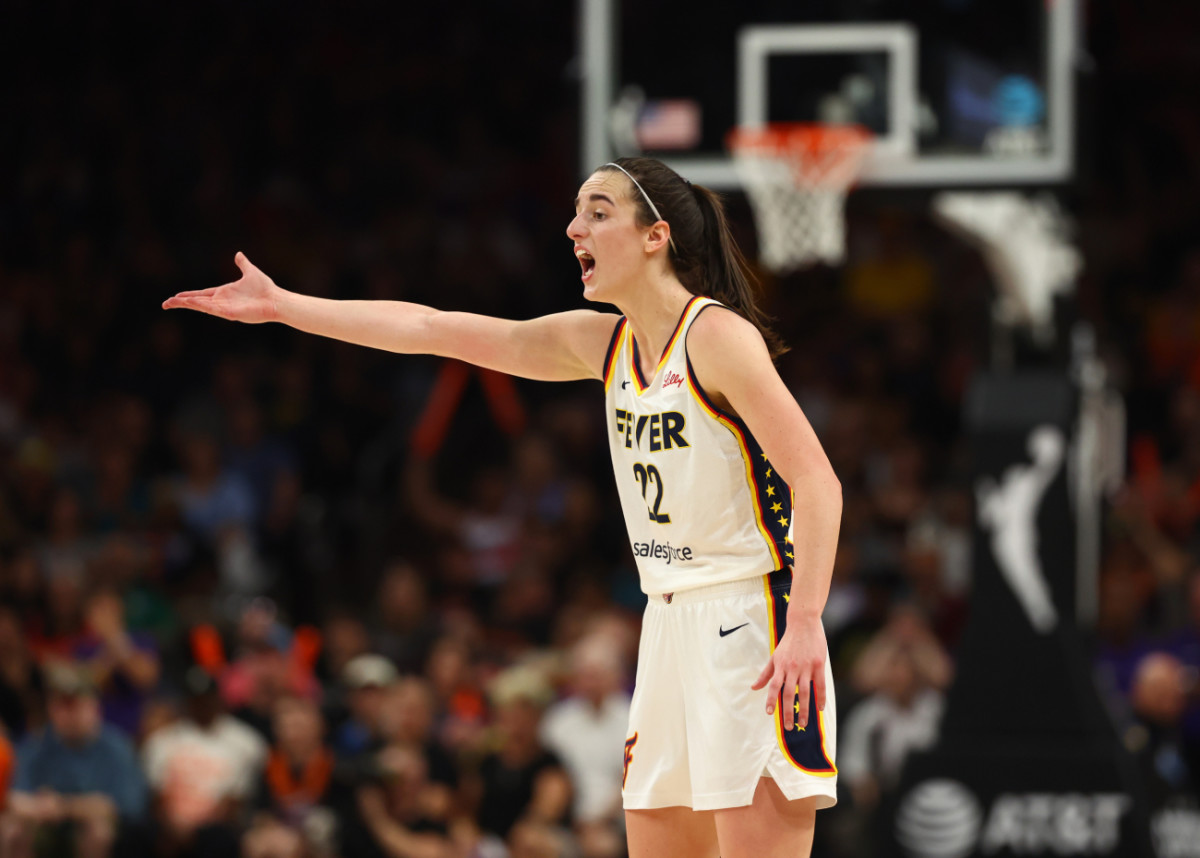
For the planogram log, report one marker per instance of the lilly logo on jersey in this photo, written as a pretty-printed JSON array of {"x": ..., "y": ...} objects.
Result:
[
  {"x": 663, "y": 431},
  {"x": 672, "y": 378},
  {"x": 661, "y": 551}
]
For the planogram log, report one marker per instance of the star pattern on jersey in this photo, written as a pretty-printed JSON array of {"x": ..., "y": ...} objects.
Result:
[{"x": 777, "y": 506}]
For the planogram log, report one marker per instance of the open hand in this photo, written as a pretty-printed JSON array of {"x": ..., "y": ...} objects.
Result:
[
  {"x": 797, "y": 661},
  {"x": 252, "y": 299}
]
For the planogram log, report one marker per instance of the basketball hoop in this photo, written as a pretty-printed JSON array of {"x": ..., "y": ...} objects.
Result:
[{"x": 797, "y": 175}]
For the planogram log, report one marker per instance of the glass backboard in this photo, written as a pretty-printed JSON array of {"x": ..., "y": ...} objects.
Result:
[{"x": 957, "y": 92}]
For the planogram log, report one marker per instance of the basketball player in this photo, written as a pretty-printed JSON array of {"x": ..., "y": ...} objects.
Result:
[{"x": 725, "y": 490}]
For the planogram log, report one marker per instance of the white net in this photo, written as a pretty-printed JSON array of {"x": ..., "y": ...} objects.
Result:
[{"x": 797, "y": 177}]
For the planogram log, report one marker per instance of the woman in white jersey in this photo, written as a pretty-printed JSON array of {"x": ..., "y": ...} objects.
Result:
[{"x": 725, "y": 489}]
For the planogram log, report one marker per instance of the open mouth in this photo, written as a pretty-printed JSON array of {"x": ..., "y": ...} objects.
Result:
[{"x": 587, "y": 262}]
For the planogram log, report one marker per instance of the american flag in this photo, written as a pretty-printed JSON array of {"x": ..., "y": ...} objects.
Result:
[{"x": 669, "y": 123}]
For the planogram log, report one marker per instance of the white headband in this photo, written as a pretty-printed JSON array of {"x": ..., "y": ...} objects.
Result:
[{"x": 646, "y": 197}]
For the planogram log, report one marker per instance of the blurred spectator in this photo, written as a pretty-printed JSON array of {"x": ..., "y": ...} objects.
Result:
[
  {"x": 1157, "y": 700},
  {"x": 396, "y": 808},
  {"x": 461, "y": 708},
  {"x": 202, "y": 769},
  {"x": 367, "y": 679},
  {"x": 583, "y": 730},
  {"x": 1121, "y": 639},
  {"x": 218, "y": 506},
  {"x": 116, "y": 499},
  {"x": 78, "y": 780},
  {"x": 1184, "y": 644},
  {"x": 124, "y": 664},
  {"x": 212, "y": 498},
  {"x": 56, "y": 633},
  {"x": 407, "y": 719},
  {"x": 344, "y": 637},
  {"x": 294, "y": 796},
  {"x": 487, "y": 524},
  {"x": 260, "y": 461},
  {"x": 406, "y": 627},
  {"x": 519, "y": 780},
  {"x": 903, "y": 672},
  {"x": 68, "y": 544},
  {"x": 271, "y": 661}
]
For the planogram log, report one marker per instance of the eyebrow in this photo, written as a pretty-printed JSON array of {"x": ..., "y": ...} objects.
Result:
[{"x": 592, "y": 198}]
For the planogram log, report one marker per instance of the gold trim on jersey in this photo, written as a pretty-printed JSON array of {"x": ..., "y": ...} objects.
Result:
[
  {"x": 614, "y": 349},
  {"x": 636, "y": 374},
  {"x": 821, "y": 732}
]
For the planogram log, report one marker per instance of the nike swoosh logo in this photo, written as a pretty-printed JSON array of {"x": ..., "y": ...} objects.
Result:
[
  {"x": 725, "y": 631},
  {"x": 624, "y": 384}
]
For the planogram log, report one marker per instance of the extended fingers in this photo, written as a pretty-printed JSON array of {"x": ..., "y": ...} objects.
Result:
[
  {"x": 800, "y": 706},
  {"x": 200, "y": 303},
  {"x": 197, "y": 293},
  {"x": 764, "y": 676},
  {"x": 243, "y": 263}
]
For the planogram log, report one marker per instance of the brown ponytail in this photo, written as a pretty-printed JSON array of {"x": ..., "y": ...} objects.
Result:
[{"x": 705, "y": 256}]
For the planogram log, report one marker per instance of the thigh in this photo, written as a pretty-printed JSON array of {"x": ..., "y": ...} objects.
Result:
[
  {"x": 769, "y": 827},
  {"x": 669, "y": 831}
]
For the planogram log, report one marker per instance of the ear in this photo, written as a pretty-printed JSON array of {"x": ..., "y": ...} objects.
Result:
[{"x": 658, "y": 236}]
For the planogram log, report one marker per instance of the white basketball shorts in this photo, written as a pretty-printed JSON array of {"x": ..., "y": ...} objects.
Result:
[{"x": 698, "y": 736}]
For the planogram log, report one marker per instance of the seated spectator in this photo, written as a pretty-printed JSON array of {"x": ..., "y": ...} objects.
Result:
[
  {"x": 414, "y": 777},
  {"x": 271, "y": 662},
  {"x": 77, "y": 781},
  {"x": 53, "y": 635},
  {"x": 402, "y": 816},
  {"x": 520, "y": 780},
  {"x": 124, "y": 664},
  {"x": 295, "y": 789},
  {"x": 461, "y": 708},
  {"x": 405, "y": 627},
  {"x": 587, "y": 731},
  {"x": 367, "y": 678},
  {"x": 407, "y": 719},
  {"x": 202, "y": 770}
]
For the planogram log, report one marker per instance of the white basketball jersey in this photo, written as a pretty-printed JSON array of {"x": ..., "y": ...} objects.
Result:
[{"x": 701, "y": 502}]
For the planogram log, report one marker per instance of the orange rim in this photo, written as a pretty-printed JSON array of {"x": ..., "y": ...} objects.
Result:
[{"x": 801, "y": 142}]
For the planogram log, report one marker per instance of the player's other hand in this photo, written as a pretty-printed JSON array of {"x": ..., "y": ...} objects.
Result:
[
  {"x": 254, "y": 298},
  {"x": 796, "y": 665}
]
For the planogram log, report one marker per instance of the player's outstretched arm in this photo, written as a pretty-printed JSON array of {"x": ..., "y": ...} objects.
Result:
[{"x": 559, "y": 347}]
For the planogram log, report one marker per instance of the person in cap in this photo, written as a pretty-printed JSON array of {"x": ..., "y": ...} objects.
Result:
[
  {"x": 77, "y": 782},
  {"x": 519, "y": 781},
  {"x": 367, "y": 678}
]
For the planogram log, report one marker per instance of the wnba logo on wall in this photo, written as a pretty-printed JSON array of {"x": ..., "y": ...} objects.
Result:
[{"x": 943, "y": 819}]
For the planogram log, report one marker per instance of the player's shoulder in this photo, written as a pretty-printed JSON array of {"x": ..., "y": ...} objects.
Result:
[{"x": 717, "y": 328}]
